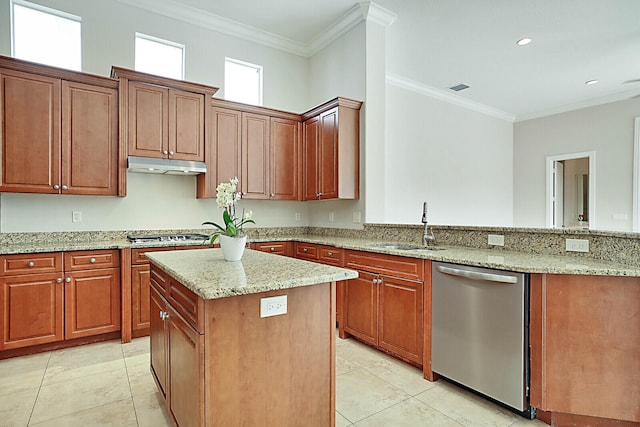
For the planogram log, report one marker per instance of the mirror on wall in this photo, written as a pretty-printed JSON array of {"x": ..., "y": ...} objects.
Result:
[{"x": 570, "y": 191}]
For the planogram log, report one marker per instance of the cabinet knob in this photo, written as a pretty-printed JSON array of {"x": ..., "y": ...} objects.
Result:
[
  {"x": 272, "y": 195},
  {"x": 164, "y": 315},
  {"x": 92, "y": 260},
  {"x": 165, "y": 152},
  {"x": 318, "y": 195},
  {"x": 330, "y": 254},
  {"x": 68, "y": 280},
  {"x": 31, "y": 264},
  {"x": 304, "y": 250},
  {"x": 56, "y": 187},
  {"x": 272, "y": 249},
  {"x": 64, "y": 187},
  {"x": 59, "y": 280},
  {"x": 171, "y": 153}
]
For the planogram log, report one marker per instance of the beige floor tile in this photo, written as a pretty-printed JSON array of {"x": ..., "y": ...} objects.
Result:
[
  {"x": 402, "y": 375},
  {"x": 342, "y": 421},
  {"x": 136, "y": 347},
  {"x": 67, "y": 397},
  {"x": 140, "y": 377},
  {"x": 522, "y": 422},
  {"x": 82, "y": 361},
  {"x": 360, "y": 394},
  {"x": 343, "y": 366},
  {"x": 116, "y": 414},
  {"x": 466, "y": 408},
  {"x": 15, "y": 408},
  {"x": 408, "y": 413},
  {"x": 150, "y": 411},
  {"x": 358, "y": 353},
  {"x": 22, "y": 373}
]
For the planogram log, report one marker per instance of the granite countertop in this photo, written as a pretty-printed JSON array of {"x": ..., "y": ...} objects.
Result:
[
  {"x": 491, "y": 258},
  {"x": 207, "y": 274}
]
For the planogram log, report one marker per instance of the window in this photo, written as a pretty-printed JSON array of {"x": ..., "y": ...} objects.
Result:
[
  {"x": 242, "y": 82},
  {"x": 45, "y": 35},
  {"x": 160, "y": 57}
]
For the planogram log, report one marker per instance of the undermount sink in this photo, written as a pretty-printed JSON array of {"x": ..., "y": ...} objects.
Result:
[{"x": 406, "y": 247}]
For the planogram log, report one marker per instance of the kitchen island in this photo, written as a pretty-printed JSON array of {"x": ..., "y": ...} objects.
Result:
[{"x": 216, "y": 358}]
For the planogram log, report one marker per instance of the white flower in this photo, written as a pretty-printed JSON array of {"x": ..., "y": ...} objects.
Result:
[{"x": 248, "y": 214}]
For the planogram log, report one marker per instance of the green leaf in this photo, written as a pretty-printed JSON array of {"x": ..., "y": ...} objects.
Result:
[{"x": 214, "y": 224}]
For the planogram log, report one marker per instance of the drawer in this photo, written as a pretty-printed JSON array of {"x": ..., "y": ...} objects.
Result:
[
  {"x": 49, "y": 262},
  {"x": 307, "y": 251},
  {"x": 398, "y": 266},
  {"x": 330, "y": 255},
  {"x": 187, "y": 303},
  {"x": 159, "y": 280},
  {"x": 137, "y": 255},
  {"x": 278, "y": 248},
  {"x": 91, "y": 260}
]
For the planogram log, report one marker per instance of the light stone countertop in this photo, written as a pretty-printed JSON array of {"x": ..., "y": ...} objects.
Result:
[{"x": 207, "y": 274}]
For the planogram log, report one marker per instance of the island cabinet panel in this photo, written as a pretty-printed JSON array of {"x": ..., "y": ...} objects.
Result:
[
  {"x": 32, "y": 310},
  {"x": 585, "y": 349},
  {"x": 384, "y": 305}
]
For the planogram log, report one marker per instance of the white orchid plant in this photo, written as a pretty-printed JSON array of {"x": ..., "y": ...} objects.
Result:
[{"x": 226, "y": 198}]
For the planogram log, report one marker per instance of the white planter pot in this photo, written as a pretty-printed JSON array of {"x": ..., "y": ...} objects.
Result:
[{"x": 232, "y": 247}]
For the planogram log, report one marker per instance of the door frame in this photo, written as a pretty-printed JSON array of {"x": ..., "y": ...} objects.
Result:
[{"x": 592, "y": 183}]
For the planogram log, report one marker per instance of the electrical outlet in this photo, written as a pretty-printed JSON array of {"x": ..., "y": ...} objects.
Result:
[
  {"x": 577, "y": 245},
  {"x": 332, "y": 217},
  {"x": 357, "y": 217},
  {"x": 273, "y": 306},
  {"x": 76, "y": 216},
  {"x": 496, "y": 239},
  {"x": 297, "y": 216}
]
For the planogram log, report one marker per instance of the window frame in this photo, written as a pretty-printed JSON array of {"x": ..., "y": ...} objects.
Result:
[
  {"x": 161, "y": 41},
  {"x": 43, "y": 9},
  {"x": 258, "y": 68}
]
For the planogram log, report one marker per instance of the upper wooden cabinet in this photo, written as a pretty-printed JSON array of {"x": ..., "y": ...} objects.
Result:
[
  {"x": 162, "y": 117},
  {"x": 331, "y": 151},
  {"x": 259, "y": 146},
  {"x": 59, "y": 130}
]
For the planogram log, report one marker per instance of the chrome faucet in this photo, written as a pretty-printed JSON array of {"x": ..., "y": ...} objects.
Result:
[{"x": 428, "y": 238}]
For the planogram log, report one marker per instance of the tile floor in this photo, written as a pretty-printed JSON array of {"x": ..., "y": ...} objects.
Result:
[{"x": 109, "y": 384}]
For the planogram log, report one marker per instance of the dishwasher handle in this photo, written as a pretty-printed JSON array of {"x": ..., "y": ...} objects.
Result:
[{"x": 475, "y": 275}]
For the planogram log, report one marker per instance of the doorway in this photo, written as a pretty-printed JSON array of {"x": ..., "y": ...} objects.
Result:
[{"x": 571, "y": 190}]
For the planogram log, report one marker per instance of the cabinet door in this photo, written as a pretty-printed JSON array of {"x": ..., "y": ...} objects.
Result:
[
  {"x": 92, "y": 302},
  {"x": 30, "y": 110},
  {"x": 310, "y": 130},
  {"x": 255, "y": 156},
  {"x": 328, "y": 155},
  {"x": 186, "y": 125},
  {"x": 361, "y": 307},
  {"x": 400, "y": 310},
  {"x": 148, "y": 120},
  {"x": 140, "y": 279},
  {"x": 284, "y": 146},
  {"x": 89, "y": 139},
  {"x": 32, "y": 310},
  {"x": 186, "y": 371},
  {"x": 158, "y": 340}
]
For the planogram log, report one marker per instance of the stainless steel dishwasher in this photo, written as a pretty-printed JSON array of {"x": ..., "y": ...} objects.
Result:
[{"x": 481, "y": 332}]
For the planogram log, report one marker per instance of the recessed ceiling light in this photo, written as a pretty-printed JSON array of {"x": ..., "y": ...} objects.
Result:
[
  {"x": 591, "y": 82},
  {"x": 524, "y": 41},
  {"x": 459, "y": 87}
]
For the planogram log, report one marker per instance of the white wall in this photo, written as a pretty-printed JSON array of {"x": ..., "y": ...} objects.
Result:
[
  {"x": 108, "y": 30},
  {"x": 457, "y": 160},
  {"x": 606, "y": 129}
]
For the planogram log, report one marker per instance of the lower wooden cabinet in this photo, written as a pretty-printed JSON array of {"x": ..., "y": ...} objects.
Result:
[
  {"x": 384, "y": 310},
  {"x": 55, "y": 303},
  {"x": 32, "y": 310}
]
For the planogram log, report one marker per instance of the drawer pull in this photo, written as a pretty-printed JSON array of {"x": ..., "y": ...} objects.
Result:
[
  {"x": 330, "y": 254},
  {"x": 272, "y": 249},
  {"x": 31, "y": 264},
  {"x": 304, "y": 250},
  {"x": 92, "y": 260}
]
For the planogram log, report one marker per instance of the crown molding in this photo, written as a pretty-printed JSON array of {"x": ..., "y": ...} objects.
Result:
[
  {"x": 417, "y": 87},
  {"x": 364, "y": 11},
  {"x": 620, "y": 96}
]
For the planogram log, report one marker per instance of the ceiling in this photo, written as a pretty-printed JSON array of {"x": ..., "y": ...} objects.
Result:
[{"x": 436, "y": 44}]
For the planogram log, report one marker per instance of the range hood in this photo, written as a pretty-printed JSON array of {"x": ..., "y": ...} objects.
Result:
[{"x": 165, "y": 166}]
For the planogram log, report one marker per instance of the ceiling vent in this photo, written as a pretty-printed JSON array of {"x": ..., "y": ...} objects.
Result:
[{"x": 459, "y": 87}]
